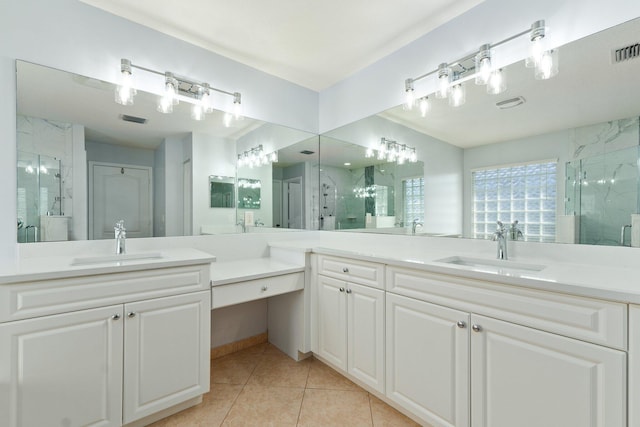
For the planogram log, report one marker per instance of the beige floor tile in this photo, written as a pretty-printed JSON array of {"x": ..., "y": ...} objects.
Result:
[
  {"x": 325, "y": 408},
  {"x": 323, "y": 377},
  {"x": 265, "y": 406},
  {"x": 277, "y": 371},
  {"x": 234, "y": 368},
  {"x": 385, "y": 416},
  {"x": 211, "y": 412}
]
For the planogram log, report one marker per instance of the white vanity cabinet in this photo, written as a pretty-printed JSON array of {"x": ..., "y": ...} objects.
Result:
[
  {"x": 350, "y": 318},
  {"x": 458, "y": 365},
  {"x": 128, "y": 352},
  {"x": 63, "y": 369}
]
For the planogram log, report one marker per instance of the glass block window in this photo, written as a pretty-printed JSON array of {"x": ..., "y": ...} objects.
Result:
[
  {"x": 523, "y": 192},
  {"x": 413, "y": 194}
]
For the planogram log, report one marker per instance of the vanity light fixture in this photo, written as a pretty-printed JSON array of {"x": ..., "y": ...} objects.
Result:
[
  {"x": 256, "y": 156},
  {"x": 425, "y": 106},
  {"x": 409, "y": 94},
  {"x": 392, "y": 151},
  {"x": 196, "y": 92},
  {"x": 452, "y": 75}
]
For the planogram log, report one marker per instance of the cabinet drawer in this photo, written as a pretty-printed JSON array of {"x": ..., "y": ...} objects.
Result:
[
  {"x": 44, "y": 297},
  {"x": 597, "y": 321},
  {"x": 363, "y": 272},
  {"x": 235, "y": 293}
]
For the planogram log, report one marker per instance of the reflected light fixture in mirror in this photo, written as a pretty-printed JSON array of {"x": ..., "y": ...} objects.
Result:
[
  {"x": 195, "y": 92},
  {"x": 256, "y": 156},
  {"x": 451, "y": 76}
]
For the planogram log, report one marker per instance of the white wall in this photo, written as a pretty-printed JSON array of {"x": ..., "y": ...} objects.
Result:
[
  {"x": 380, "y": 86},
  {"x": 210, "y": 156}
]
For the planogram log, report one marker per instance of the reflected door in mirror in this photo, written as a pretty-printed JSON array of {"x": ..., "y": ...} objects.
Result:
[{"x": 119, "y": 192}]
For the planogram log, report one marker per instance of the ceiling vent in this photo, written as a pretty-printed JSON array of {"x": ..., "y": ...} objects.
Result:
[
  {"x": 625, "y": 53},
  {"x": 510, "y": 103},
  {"x": 133, "y": 119},
  {"x": 307, "y": 152}
]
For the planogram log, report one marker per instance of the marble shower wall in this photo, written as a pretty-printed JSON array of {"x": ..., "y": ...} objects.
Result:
[
  {"x": 51, "y": 139},
  {"x": 606, "y": 162}
]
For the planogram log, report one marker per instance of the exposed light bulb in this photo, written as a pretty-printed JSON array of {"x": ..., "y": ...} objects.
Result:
[
  {"x": 237, "y": 106},
  {"x": 484, "y": 65},
  {"x": 425, "y": 106},
  {"x": 497, "y": 82},
  {"x": 125, "y": 91},
  {"x": 444, "y": 81},
  {"x": 273, "y": 157},
  {"x": 536, "y": 48},
  {"x": 197, "y": 112},
  {"x": 457, "y": 97},
  {"x": 205, "y": 98},
  {"x": 409, "y": 94},
  {"x": 170, "y": 97},
  {"x": 548, "y": 65}
]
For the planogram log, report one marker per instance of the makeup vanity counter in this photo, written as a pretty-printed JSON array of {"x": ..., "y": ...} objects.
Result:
[{"x": 93, "y": 340}]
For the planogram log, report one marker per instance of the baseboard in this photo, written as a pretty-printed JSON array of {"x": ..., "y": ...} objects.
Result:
[{"x": 232, "y": 347}]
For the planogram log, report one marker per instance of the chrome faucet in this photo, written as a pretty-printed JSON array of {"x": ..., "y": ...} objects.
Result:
[
  {"x": 244, "y": 227},
  {"x": 121, "y": 237},
  {"x": 414, "y": 224},
  {"x": 500, "y": 236}
]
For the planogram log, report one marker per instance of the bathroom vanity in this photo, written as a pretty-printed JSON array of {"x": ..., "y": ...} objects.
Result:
[
  {"x": 457, "y": 345},
  {"x": 104, "y": 341}
]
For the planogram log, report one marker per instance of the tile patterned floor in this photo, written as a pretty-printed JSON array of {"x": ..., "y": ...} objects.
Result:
[{"x": 261, "y": 386}]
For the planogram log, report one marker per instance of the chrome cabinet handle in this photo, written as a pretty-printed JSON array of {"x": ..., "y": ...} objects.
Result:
[
  {"x": 341, "y": 289},
  {"x": 131, "y": 314},
  {"x": 263, "y": 289},
  {"x": 348, "y": 291},
  {"x": 115, "y": 317},
  {"x": 476, "y": 328},
  {"x": 345, "y": 270},
  {"x": 461, "y": 324}
]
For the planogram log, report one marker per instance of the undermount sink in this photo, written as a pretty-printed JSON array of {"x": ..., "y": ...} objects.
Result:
[
  {"x": 115, "y": 258},
  {"x": 495, "y": 266}
]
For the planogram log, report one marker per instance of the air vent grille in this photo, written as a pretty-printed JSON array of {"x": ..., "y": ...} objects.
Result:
[
  {"x": 307, "y": 152},
  {"x": 133, "y": 119},
  {"x": 626, "y": 53}
]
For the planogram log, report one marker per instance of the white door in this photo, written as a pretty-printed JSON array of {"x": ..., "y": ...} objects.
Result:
[
  {"x": 167, "y": 352},
  {"x": 332, "y": 321},
  {"x": 527, "y": 378},
  {"x": 365, "y": 335},
  {"x": 120, "y": 192},
  {"x": 62, "y": 370},
  {"x": 427, "y": 360},
  {"x": 292, "y": 207}
]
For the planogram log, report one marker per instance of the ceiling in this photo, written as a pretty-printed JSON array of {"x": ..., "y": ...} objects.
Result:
[{"x": 311, "y": 43}]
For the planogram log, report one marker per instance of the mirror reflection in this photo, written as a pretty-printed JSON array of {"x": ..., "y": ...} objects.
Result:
[
  {"x": 130, "y": 163},
  {"x": 560, "y": 156},
  {"x": 223, "y": 191}
]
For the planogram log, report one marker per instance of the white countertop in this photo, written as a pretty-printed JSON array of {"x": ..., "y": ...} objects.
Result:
[
  {"x": 223, "y": 273},
  {"x": 56, "y": 267},
  {"x": 614, "y": 283}
]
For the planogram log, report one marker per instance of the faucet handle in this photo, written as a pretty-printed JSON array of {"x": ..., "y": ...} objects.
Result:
[{"x": 120, "y": 225}]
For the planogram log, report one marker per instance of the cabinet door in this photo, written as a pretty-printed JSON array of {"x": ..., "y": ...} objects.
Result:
[
  {"x": 62, "y": 370},
  {"x": 365, "y": 335},
  {"x": 527, "y": 378},
  {"x": 427, "y": 360},
  {"x": 167, "y": 351},
  {"x": 332, "y": 321}
]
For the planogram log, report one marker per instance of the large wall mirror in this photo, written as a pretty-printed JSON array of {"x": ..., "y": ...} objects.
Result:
[
  {"x": 85, "y": 162},
  {"x": 561, "y": 156}
]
